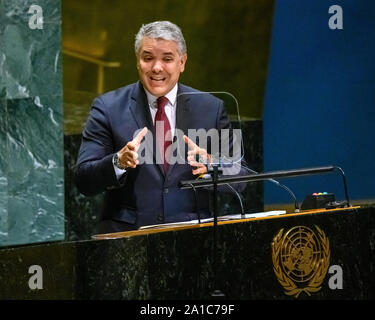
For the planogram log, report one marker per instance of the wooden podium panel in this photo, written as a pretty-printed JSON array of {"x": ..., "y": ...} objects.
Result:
[
  {"x": 309, "y": 255},
  {"x": 117, "y": 235}
]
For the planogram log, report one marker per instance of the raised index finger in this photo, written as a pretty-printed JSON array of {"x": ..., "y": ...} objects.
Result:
[
  {"x": 190, "y": 143},
  {"x": 138, "y": 138}
]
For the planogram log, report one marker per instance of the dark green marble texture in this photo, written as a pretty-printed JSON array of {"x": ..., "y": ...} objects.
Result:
[
  {"x": 31, "y": 59},
  {"x": 179, "y": 264},
  {"x": 117, "y": 271},
  {"x": 3, "y": 177},
  {"x": 81, "y": 213},
  {"x": 31, "y": 125},
  {"x": 59, "y": 271}
]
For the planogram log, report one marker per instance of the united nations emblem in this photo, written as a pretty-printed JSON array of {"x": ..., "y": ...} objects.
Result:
[{"x": 300, "y": 259}]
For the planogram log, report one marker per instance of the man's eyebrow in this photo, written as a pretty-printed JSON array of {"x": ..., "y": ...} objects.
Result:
[
  {"x": 168, "y": 53},
  {"x": 164, "y": 53}
]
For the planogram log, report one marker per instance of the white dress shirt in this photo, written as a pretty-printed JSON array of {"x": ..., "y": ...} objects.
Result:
[{"x": 170, "y": 107}]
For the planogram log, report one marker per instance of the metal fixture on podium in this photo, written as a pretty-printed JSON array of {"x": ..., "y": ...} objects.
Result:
[
  {"x": 265, "y": 176},
  {"x": 214, "y": 171}
]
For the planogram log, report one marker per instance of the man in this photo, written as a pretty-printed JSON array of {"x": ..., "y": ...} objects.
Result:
[{"x": 137, "y": 193}]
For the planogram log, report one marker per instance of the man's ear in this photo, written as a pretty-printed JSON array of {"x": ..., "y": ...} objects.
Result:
[
  {"x": 137, "y": 61},
  {"x": 183, "y": 62}
]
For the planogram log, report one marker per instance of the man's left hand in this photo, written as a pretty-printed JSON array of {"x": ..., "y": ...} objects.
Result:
[{"x": 204, "y": 157}]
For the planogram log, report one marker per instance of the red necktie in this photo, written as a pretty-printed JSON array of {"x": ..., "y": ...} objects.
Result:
[{"x": 162, "y": 119}]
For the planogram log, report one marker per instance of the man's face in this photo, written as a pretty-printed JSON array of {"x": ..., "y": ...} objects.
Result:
[{"x": 159, "y": 65}]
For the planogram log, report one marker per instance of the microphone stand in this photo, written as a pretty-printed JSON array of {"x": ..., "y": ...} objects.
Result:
[
  {"x": 217, "y": 294},
  {"x": 296, "y": 204}
]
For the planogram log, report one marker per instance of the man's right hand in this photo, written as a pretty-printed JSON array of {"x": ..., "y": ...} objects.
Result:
[{"x": 128, "y": 155}]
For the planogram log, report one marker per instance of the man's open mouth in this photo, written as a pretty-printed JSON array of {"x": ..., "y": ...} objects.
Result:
[{"x": 157, "y": 79}]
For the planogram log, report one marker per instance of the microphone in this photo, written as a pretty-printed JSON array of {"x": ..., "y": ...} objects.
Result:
[
  {"x": 196, "y": 203},
  {"x": 208, "y": 176},
  {"x": 345, "y": 185},
  {"x": 260, "y": 176},
  {"x": 223, "y": 161},
  {"x": 270, "y": 175},
  {"x": 239, "y": 198},
  {"x": 296, "y": 204}
]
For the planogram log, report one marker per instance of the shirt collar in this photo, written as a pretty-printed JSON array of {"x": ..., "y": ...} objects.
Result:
[{"x": 171, "y": 96}]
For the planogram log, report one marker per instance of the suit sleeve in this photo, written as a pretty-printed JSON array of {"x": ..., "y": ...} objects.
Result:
[{"x": 94, "y": 171}]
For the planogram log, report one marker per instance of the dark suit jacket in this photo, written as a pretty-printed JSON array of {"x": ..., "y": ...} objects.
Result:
[{"x": 144, "y": 195}]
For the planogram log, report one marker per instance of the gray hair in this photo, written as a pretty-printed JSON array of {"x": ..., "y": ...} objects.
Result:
[{"x": 161, "y": 30}]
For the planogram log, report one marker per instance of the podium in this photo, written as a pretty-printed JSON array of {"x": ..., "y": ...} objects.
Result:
[{"x": 320, "y": 254}]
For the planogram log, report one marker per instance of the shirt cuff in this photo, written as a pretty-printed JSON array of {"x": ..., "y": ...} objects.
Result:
[{"x": 119, "y": 172}]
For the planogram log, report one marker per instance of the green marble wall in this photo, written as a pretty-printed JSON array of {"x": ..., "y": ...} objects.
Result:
[{"x": 31, "y": 124}]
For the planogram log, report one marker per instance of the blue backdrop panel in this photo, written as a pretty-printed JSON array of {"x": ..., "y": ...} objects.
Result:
[{"x": 320, "y": 97}]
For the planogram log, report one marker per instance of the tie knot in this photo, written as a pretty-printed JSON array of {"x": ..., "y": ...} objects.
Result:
[{"x": 161, "y": 102}]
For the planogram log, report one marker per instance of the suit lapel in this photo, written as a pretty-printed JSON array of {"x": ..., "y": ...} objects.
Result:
[
  {"x": 139, "y": 109},
  {"x": 183, "y": 112}
]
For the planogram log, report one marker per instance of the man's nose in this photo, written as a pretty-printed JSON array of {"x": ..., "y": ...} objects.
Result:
[{"x": 157, "y": 66}]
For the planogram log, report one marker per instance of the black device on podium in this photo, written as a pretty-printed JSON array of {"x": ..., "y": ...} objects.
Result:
[
  {"x": 322, "y": 200},
  {"x": 317, "y": 200}
]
